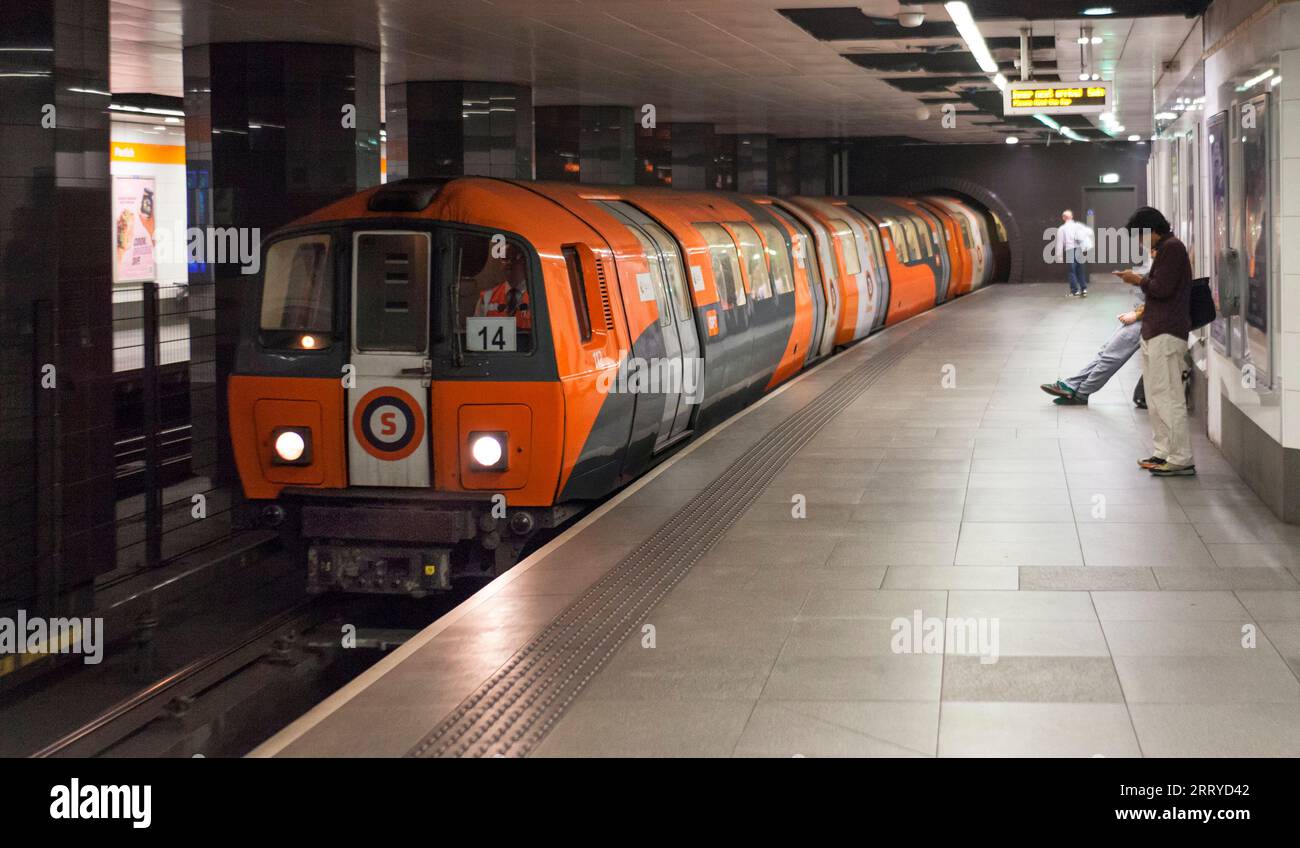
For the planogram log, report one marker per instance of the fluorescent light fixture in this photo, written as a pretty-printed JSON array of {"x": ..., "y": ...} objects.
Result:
[
  {"x": 147, "y": 110},
  {"x": 1083, "y": 76},
  {"x": 1271, "y": 83},
  {"x": 1165, "y": 116},
  {"x": 1000, "y": 81},
  {"x": 1107, "y": 116},
  {"x": 1135, "y": 138},
  {"x": 1255, "y": 80},
  {"x": 1108, "y": 179},
  {"x": 1083, "y": 39},
  {"x": 1072, "y": 135},
  {"x": 1097, "y": 11},
  {"x": 970, "y": 33},
  {"x": 1011, "y": 139},
  {"x": 1047, "y": 121},
  {"x": 1096, "y": 39}
]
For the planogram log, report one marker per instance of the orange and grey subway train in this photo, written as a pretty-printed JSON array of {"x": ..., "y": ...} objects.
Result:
[{"x": 432, "y": 371}]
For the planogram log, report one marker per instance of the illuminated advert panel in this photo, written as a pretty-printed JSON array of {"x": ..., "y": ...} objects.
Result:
[{"x": 1056, "y": 98}]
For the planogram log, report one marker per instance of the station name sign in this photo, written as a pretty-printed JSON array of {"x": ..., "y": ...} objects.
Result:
[{"x": 1056, "y": 98}]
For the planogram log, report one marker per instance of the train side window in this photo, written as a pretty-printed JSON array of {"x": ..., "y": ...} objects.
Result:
[
  {"x": 848, "y": 244},
  {"x": 297, "y": 290},
  {"x": 778, "y": 259},
  {"x": 578, "y": 286},
  {"x": 913, "y": 240},
  {"x": 494, "y": 308},
  {"x": 726, "y": 265},
  {"x": 751, "y": 251},
  {"x": 899, "y": 236}
]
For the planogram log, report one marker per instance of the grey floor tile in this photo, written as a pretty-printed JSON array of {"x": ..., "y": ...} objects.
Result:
[
  {"x": 1256, "y": 676},
  {"x": 1035, "y": 679},
  {"x": 1087, "y": 579},
  {"x": 1029, "y": 638},
  {"x": 1181, "y": 639},
  {"x": 854, "y": 553},
  {"x": 1023, "y": 605},
  {"x": 1257, "y": 555},
  {"x": 1218, "y": 730},
  {"x": 1271, "y": 604},
  {"x": 637, "y": 728},
  {"x": 840, "y": 729},
  {"x": 1136, "y": 545},
  {"x": 950, "y": 577},
  {"x": 1169, "y": 606},
  {"x": 893, "y": 677},
  {"x": 1036, "y": 729},
  {"x": 995, "y": 511},
  {"x": 884, "y": 603},
  {"x": 1225, "y": 578}
]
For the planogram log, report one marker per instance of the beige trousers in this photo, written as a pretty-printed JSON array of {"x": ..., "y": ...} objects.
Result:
[{"x": 1162, "y": 375}]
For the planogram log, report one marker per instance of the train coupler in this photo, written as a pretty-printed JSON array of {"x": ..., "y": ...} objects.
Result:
[{"x": 414, "y": 571}]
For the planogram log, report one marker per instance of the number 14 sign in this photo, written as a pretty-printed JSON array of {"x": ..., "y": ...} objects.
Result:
[{"x": 483, "y": 334}]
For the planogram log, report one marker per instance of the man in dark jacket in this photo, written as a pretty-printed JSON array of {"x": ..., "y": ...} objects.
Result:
[{"x": 1165, "y": 327}]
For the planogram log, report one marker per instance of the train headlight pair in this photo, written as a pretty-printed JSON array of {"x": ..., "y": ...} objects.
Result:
[
  {"x": 291, "y": 446},
  {"x": 487, "y": 450}
]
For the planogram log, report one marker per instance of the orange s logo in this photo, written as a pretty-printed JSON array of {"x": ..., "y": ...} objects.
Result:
[{"x": 389, "y": 422}]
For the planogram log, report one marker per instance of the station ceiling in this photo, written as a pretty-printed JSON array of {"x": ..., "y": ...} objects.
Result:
[{"x": 799, "y": 68}]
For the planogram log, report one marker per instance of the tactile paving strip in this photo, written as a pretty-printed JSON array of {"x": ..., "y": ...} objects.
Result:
[{"x": 515, "y": 708}]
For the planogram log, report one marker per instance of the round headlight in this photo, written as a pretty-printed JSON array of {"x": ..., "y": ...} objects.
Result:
[
  {"x": 307, "y": 342},
  {"x": 289, "y": 446},
  {"x": 486, "y": 450}
]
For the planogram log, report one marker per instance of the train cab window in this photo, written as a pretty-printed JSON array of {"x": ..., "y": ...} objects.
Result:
[
  {"x": 725, "y": 262},
  {"x": 751, "y": 253},
  {"x": 492, "y": 285},
  {"x": 778, "y": 259},
  {"x": 848, "y": 244},
  {"x": 391, "y": 295},
  {"x": 298, "y": 292},
  {"x": 898, "y": 238},
  {"x": 965, "y": 231}
]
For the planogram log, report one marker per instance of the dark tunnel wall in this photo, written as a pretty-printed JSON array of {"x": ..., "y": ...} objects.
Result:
[{"x": 1035, "y": 182}]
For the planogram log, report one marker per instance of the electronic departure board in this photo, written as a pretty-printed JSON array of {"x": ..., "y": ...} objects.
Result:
[{"x": 1057, "y": 98}]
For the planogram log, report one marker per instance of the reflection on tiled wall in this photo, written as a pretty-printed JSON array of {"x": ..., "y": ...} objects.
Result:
[
  {"x": 56, "y": 464},
  {"x": 588, "y": 144},
  {"x": 450, "y": 129},
  {"x": 272, "y": 131}
]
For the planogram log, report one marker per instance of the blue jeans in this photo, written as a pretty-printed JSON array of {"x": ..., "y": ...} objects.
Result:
[
  {"x": 1078, "y": 274},
  {"x": 1117, "y": 350}
]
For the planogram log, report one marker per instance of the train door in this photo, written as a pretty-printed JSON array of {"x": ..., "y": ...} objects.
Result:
[
  {"x": 825, "y": 259},
  {"x": 388, "y": 402},
  {"x": 804, "y": 250},
  {"x": 676, "y": 322}
]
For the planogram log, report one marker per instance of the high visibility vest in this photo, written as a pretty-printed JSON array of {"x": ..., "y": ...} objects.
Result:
[{"x": 497, "y": 304}]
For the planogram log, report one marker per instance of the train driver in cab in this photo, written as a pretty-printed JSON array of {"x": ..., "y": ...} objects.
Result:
[{"x": 509, "y": 298}]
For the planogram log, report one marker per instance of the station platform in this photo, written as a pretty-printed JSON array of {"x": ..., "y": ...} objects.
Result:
[{"x": 1082, "y": 607}]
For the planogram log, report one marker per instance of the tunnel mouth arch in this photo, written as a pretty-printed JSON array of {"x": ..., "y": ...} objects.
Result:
[{"x": 977, "y": 194}]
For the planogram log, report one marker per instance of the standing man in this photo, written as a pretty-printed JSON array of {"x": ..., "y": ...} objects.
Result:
[
  {"x": 1165, "y": 326},
  {"x": 1074, "y": 243}
]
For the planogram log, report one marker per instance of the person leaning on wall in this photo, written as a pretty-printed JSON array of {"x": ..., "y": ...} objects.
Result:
[{"x": 1166, "y": 324}]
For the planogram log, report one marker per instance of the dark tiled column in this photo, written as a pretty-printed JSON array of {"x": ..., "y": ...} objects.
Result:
[
  {"x": 726, "y": 149},
  {"x": 266, "y": 141},
  {"x": 755, "y": 164},
  {"x": 680, "y": 155},
  {"x": 803, "y": 166},
  {"x": 56, "y": 443},
  {"x": 588, "y": 144},
  {"x": 455, "y": 128}
]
